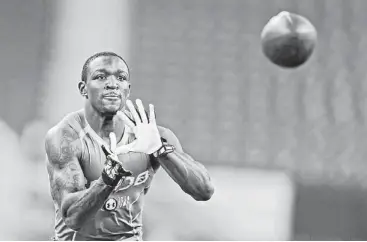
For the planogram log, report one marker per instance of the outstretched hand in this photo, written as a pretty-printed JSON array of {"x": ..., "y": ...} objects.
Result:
[{"x": 143, "y": 125}]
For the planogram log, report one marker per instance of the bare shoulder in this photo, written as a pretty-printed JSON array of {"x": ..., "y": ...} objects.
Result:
[{"x": 62, "y": 143}]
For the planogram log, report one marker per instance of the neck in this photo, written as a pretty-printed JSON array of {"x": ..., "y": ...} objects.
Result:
[{"x": 102, "y": 124}]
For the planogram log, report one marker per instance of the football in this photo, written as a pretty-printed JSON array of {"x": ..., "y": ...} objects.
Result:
[{"x": 288, "y": 40}]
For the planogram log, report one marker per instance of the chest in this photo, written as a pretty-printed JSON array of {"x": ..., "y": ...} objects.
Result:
[{"x": 93, "y": 162}]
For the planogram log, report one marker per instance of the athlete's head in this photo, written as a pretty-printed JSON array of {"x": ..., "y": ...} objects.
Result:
[{"x": 105, "y": 82}]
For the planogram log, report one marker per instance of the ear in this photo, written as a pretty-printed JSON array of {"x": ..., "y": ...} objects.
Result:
[
  {"x": 128, "y": 93},
  {"x": 83, "y": 89}
]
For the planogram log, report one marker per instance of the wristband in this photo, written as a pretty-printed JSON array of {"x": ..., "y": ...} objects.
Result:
[{"x": 164, "y": 150}]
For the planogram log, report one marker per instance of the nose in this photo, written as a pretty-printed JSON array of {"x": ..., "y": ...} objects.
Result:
[{"x": 112, "y": 83}]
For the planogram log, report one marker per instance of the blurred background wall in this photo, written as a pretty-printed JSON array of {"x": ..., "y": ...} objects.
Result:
[{"x": 285, "y": 148}]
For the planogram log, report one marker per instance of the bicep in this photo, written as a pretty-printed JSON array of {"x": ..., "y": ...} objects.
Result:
[{"x": 65, "y": 173}]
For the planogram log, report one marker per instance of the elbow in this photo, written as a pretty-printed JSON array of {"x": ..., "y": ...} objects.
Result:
[
  {"x": 71, "y": 220},
  {"x": 73, "y": 223},
  {"x": 206, "y": 193}
]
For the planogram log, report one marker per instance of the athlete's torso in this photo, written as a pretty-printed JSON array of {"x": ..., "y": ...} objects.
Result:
[{"x": 121, "y": 216}]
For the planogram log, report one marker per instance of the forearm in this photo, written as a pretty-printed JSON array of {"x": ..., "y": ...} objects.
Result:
[
  {"x": 80, "y": 206},
  {"x": 190, "y": 175}
]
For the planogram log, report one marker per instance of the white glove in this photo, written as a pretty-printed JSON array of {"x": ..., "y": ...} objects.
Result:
[{"x": 148, "y": 139}]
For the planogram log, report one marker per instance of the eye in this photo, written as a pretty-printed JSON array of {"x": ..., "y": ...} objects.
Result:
[
  {"x": 100, "y": 77},
  {"x": 122, "y": 78}
]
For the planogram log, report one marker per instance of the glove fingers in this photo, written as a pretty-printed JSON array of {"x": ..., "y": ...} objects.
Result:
[
  {"x": 152, "y": 116},
  {"x": 105, "y": 151},
  {"x": 113, "y": 158},
  {"x": 126, "y": 148},
  {"x": 113, "y": 142},
  {"x": 133, "y": 111},
  {"x": 142, "y": 112},
  {"x": 127, "y": 120},
  {"x": 125, "y": 172},
  {"x": 120, "y": 168}
]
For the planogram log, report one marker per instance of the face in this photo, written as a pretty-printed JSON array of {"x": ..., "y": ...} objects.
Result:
[{"x": 107, "y": 86}]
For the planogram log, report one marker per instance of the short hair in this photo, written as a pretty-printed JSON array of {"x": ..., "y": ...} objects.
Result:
[{"x": 95, "y": 56}]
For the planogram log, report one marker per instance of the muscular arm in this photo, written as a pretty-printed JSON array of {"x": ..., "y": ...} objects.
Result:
[
  {"x": 189, "y": 174},
  {"x": 67, "y": 180}
]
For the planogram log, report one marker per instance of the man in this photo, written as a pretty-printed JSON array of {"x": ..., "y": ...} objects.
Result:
[{"x": 102, "y": 159}]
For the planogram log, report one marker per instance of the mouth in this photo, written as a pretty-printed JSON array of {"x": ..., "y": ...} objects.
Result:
[{"x": 112, "y": 96}]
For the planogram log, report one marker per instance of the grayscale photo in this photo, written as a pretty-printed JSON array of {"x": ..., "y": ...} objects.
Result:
[{"x": 183, "y": 120}]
